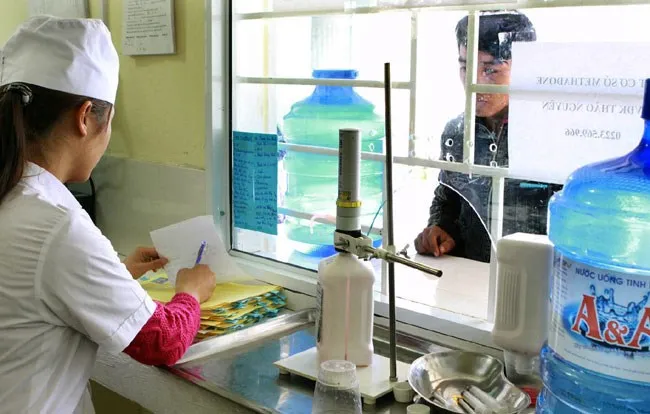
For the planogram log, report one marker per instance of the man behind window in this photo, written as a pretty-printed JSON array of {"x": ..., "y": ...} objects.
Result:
[{"x": 456, "y": 222}]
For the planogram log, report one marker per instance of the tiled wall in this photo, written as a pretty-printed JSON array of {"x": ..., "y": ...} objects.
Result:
[{"x": 135, "y": 197}]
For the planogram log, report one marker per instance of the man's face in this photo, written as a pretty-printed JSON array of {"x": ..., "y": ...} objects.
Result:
[{"x": 491, "y": 71}]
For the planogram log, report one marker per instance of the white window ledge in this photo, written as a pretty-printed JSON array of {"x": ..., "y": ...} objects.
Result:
[{"x": 453, "y": 308}]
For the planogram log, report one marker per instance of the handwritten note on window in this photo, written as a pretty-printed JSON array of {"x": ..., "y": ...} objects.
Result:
[
  {"x": 255, "y": 181},
  {"x": 148, "y": 27},
  {"x": 572, "y": 104}
]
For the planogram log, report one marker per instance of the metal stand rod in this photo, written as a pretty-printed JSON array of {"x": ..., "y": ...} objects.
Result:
[
  {"x": 395, "y": 258},
  {"x": 389, "y": 230}
]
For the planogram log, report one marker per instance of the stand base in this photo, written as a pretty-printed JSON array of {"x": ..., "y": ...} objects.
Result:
[{"x": 373, "y": 380}]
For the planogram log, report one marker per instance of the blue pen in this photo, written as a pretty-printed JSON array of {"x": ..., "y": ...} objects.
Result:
[{"x": 200, "y": 255}]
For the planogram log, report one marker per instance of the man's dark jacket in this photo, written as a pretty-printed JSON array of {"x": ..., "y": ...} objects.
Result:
[{"x": 526, "y": 202}]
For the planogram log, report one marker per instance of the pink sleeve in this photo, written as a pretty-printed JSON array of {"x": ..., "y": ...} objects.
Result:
[{"x": 169, "y": 332}]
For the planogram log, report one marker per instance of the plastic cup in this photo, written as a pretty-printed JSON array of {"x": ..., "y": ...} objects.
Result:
[
  {"x": 418, "y": 409},
  {"x": 337, "y": 389},
  {"x": 403, "y": 392}
]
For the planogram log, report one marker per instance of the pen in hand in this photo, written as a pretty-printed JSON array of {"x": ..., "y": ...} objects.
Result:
[{"x": 199, "y": 256}]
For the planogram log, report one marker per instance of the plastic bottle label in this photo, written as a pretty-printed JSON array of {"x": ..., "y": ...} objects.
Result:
[
  {"x": 319, "y": 311},
  {"x": 600, "y": 319}
]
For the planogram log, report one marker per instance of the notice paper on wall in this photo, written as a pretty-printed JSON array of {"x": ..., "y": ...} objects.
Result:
[
  {"x": 181, "y": 244},
  {"x": 148, "y": 27},
  {"x": 572, "y": 104},
  {"x": 255, "y": 181},
  {"x": 59, "y": 8}
]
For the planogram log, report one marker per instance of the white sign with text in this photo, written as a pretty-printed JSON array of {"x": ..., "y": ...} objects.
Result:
[{"x": 572, "y": 104}]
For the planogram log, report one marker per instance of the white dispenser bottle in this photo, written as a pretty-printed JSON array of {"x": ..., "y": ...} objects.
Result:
[
  {"x": 345, "y": 283},
  {"x": 525, "y": 263}
]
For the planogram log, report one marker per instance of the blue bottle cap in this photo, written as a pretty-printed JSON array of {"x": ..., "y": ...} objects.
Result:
[{"x": 645, "y": 113}]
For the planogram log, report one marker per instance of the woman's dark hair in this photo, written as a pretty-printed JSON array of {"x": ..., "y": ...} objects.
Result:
[
  {"x": 28, "y": 114},
  {"x": 497, "y": 30}
]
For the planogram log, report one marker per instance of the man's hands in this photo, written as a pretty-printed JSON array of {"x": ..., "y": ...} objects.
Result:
[
  {"x": 142, "y": 260},
  {"x": 434, "y": 240}
]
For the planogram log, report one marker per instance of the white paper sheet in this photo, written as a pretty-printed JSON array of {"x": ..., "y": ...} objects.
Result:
[
  {"x": 180, "y": 244},
  {"x": 59, "y": 8},
  {"x": 572, "y": 104},
  {"x": 148, "y": 27}
]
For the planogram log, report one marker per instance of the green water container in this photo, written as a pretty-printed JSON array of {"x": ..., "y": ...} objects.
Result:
[{"x": 311, "y": 180}]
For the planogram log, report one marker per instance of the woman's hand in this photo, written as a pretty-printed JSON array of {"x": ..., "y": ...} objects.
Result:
[
  {"x": 198, "y": 281},
  {"x": 142, "y": 260}
]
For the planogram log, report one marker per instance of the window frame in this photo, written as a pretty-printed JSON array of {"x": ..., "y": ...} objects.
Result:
[{"x": 454, "y": 328}]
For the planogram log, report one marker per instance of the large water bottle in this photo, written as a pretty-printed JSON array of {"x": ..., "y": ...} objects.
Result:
[
  {"x": 312, "y": 179},
  {"x": 597, "y": 358}
]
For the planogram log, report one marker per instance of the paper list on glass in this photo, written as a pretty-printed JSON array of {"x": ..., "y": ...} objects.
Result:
[
  {"x": 180, "y": 244},
  {"x": 572, "y": 104},
  {"x": 255, "y": 181}
]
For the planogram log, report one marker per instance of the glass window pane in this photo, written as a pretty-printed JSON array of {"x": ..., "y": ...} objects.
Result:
[
  {"x": 308, "y": 179},
  {"x": 280, "y": 6},
  {"x": 592, "y": 24},
  {"x": 250, "y": 6},
  {"x": 526, "y": 206},
  {"x": 293, "y": 47},
  {"x": 464, "y": 287},
  {"x": 497, "y": 31},
  {"x": 491, "y": 132},
  {"x": 525, "y": 201},
  {"x": 440, "y": 91},
  {"x": 412, "y": 194}
]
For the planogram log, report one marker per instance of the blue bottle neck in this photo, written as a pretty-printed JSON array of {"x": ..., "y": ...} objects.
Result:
[
  {"x": 646, "y": 133},
  {"x": 641, "y": 154},
  {"x": 336, "y": 95}
]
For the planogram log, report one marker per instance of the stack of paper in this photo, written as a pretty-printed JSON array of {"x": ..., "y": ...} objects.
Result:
[{"x": 232, "y": 306}]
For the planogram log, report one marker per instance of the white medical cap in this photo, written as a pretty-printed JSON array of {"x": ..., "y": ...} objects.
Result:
[{"x": 76, "y": 56}]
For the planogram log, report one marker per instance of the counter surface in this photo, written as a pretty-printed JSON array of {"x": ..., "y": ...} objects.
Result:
[
  {"x": 251, "y": 379},
  {"x": 240, "y": 381},
  {"x": 158, "y": 390}
]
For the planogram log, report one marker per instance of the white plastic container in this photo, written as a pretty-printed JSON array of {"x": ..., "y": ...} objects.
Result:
[
  {"x": 346, "y": 310},
  {"x": 525, "y": 263}
]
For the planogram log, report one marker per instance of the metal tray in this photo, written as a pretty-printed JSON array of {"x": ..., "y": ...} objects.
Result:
[
  {"x": 254, "y": 336},
  {"x": 439, "y": 377}
]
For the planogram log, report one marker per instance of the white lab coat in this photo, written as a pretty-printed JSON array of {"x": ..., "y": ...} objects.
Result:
[{"x": 63, "y": 294}]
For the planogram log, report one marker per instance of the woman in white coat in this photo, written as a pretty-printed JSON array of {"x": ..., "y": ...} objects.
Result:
[{"x": 63, "y": 290}]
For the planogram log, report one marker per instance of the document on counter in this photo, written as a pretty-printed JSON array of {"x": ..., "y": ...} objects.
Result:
[{"x": 181, "y": 244}]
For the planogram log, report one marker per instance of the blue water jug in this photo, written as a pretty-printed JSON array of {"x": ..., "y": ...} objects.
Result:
[
  {"x": 597, "y": 358},
  {"x": 310, "y": 179}
]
